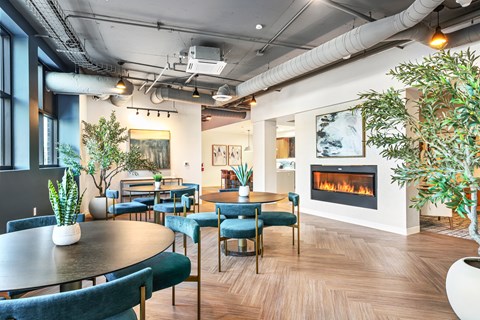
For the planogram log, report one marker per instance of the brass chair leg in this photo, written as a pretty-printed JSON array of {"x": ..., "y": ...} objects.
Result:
[
  {"x": 261, "y": 238},
  {"x": 293, "y": 236},
  {"x": 143, "y": 296},
  {"x": 173, "y": 295}
]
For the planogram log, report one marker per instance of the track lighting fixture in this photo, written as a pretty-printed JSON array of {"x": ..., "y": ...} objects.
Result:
[
  {"x": 148, "y": 113},
  {"x": 137, "y": 112},
  {"x": 253, "y": 102},
  {"x": 438, "y": 40},
  {"x": 168, "y": 115},
  {"x": 154, "y": 110},
  {"x": 195, "y": 93},
  {"x": 158, "y": 113}
]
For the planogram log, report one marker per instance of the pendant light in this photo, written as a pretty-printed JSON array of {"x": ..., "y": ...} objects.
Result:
[
  {"x": 121, "y": 84},
  {"x": 253, "y": 102},
  {"x": 247, "y": 148},
  {"x": 195, "y": 92},
  {"x": 439, "y": 39}
]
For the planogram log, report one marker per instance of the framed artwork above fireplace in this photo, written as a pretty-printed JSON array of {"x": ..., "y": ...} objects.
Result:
[{"x": 340, "y": 134}]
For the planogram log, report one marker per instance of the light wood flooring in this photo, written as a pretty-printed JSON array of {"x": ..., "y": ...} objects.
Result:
[{"x": 343, "y": 272}]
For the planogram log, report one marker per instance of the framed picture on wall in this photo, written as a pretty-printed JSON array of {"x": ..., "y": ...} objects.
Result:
[
  {"x": 234, "y": 155},
  {"x": 340, "y": 134},
  {"x": 219, "y": 155},
  {"x": 153, "y": 144}
]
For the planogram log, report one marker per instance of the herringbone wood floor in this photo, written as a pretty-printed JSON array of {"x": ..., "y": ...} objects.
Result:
[{"x": 343, "y": 272}]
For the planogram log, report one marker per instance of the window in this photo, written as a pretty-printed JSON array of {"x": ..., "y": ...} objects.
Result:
[
  {"x": 5, "y": 101},
  {"x": 47, "y": 123}
]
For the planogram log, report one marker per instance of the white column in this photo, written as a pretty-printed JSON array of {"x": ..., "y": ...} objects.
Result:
[{"x": 264, "y": 165}]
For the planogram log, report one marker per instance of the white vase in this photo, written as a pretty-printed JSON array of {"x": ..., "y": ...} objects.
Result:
[
  {"x": 157, "y": 185},
  {"x": 66, "y": 235},
  {"x": 462, "y": 285},
  {"x": 98, "y": 207},
  {"x": 243, "y": 191}
]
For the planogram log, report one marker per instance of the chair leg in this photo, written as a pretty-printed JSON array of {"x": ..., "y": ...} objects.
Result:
[
  {"x": 173, "y": 295},
  {"x": 298, "y": 239},
  {"x": 293, "y": 236},
  {"x": 261, "y": 238},
  {"x": 184, "y": 244},
  {"x": 219, "y": 252}
]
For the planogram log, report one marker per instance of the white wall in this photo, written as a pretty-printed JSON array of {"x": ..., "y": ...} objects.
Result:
[
  {"x": 184, "y": 127},
  {"x": 211, "y": 174}
]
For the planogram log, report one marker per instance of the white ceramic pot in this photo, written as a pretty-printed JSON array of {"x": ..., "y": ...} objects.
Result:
[
  {"x": 243, "y": 191},
  {"x": 462, "y": 285},
  {"x": 66, "y": 235},
  {"x": 98, "y": 207},
  {"x": 157, "y": 184}
]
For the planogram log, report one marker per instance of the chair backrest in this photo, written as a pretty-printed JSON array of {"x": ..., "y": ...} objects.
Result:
[
  {"x": 233, "y": 210},
  {"x": 187, "y": 202},
  {"x": 228, "y": 190},
  {"x": 112, "y": 194},
  {"x": 35, "y": 222},
  {"x": 196, "y": 186},
  {"x": 92, "y": 303},
  {"x": 183, "y": 225},
  {"x": 177, "y": 194},
  {"x": 294, "y": 198}
]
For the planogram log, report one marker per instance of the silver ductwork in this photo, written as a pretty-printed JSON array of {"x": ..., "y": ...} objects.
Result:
[
  {"x": 224, "y": 113},
  {"x": 349, "y": 43},
  {"x": 162, "y": 94}
]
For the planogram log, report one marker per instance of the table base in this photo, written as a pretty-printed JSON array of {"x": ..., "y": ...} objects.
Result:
[
  {"x": 240, "y": 248},
  {"x": 69, "y": 286}
]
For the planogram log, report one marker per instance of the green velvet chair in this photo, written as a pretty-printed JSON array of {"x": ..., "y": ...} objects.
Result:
[
  {"x": 109, "y": 301},
  {"x": 196, "y": 186},
  {"x": 34, "y": 222},
  {"x": 124, "y": 207},
  {"x": 171, "y": 268},
  {"x": 288, "y": 219},
  {"x": 175, "y": 206},
  {"x": 242, "y": 223}
]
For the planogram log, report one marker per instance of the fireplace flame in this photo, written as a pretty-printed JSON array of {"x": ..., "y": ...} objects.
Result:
[{"x": 345, "y": 187}]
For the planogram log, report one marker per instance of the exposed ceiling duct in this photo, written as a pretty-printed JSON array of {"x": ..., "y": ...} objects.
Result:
[
  {"x": 354, "y": 41},
  {"x": 161, "y": 94},
  {"x": 224, "y": 113}
]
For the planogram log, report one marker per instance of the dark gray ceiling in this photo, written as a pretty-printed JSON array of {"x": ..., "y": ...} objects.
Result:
[{"x": 146, "y": 49}]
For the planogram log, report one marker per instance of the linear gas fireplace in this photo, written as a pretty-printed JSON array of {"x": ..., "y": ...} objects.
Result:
[{"x": 350, "y": 185}]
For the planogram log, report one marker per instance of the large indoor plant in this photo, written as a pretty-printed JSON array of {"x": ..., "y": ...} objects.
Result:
[
  {"x": 243, "y": 175},
  {"x": 434, "y": 137},
  {"x": 106, "y": 158},
  {"x": 65, "y": 201}
]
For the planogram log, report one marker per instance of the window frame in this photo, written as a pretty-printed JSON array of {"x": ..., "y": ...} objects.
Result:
[
  {"x": 6, "y": 119},
  {"x": 42, "y": 114}
]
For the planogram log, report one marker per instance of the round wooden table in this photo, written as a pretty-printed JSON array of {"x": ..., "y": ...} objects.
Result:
[
  {"x": 29, "y": 259},
  {"x": 242, "y": 248}
]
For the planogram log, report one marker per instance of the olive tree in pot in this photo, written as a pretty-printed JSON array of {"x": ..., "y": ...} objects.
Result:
[
  {"x": 435, "y": 139},
  {"x": 106, "y": 158}
]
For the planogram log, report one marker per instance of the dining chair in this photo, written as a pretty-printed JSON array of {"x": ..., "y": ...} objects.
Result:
[
  {"x": 288, "y": 219},
  {"x": 171, "y": 268},
  {"x": 242, "y": 223},
  {"x": 112, "y": 300},
  {"x": 175, "y": 206},
  {"x": 30, "y": 223},
  {"x": 147, "y": 200},
  {"x": 123, "y": 207},
  {"x": 196, "y": 186}
]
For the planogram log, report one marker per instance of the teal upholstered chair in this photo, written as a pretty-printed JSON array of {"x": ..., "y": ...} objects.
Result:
[
  {"x": 171, "y": 268},
  {"x": 123, "y": 207},
  {"x": 228, "y": 190},
  {"x": 176, "y": 206},
  {"x": 288, "y": 219},
  {"x": 113, "y": 301},
  {"x": 147, "y": 200},
  {"x": 196, "y": 186},
  {"x": 248, "y": 227},
  {"x": 34, "y": 222}
]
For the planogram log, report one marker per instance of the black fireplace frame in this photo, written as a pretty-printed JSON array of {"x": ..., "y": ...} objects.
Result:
[{"x": 350, "y": 199}]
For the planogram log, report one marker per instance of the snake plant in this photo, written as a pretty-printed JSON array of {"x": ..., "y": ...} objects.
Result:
[
  {"x": 65, "y": 202},
  {"x": 243, "y": 173}
]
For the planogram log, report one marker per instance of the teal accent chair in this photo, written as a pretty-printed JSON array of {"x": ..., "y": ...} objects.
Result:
[
  {"x": 30, "y": 223},
  {"x": 149, "y": 200},
  {"x": 248, "y": 227},
  {"x": 110, "y": 301},
  {"x": 288, "y": 219},
  {"x": 171, "y": 268},
  {"x": 228, "y": 190},
  {"x": 124, "y": 207},
  {"x": 175, "y": 206},
  {"x": 196, "y": 186}
]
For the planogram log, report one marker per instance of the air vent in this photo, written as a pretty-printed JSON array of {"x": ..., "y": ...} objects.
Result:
[{"x": 205, "y": 60}]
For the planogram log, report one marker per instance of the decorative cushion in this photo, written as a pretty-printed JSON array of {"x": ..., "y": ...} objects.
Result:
[
  {"x": 206, "y": 219},
  {"x": 278, "y": 218},
  {"x": 240, "y": 228},
  {"x": 169, "y": 269},
  {"x": 127, "y": 207},
  {"x": 148, "y": 201}
]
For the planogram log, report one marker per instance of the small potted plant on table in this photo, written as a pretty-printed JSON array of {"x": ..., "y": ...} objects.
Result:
[
  {"x": 158, "y": 179},
  {"x": 243, "y": 175},
  {"x": 66, "y": 205}
]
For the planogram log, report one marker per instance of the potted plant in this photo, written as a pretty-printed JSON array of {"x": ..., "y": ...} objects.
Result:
[
  {"x": 435, "y": 140},
  {"x": 106, "y": 158},
  {"x": 66, "y": 206},
  {"x": 158, "y": 179},
  {"x": 243, "y": 175}
]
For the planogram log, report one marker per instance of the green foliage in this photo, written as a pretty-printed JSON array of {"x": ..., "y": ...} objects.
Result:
[
  {"x": 243, "y": 173},
  {"x": 157, "y": 177},
  {"x": 439, "y": 148},
  {"x": 65, "y": 202},
  {"x": 106, "y": 158}
]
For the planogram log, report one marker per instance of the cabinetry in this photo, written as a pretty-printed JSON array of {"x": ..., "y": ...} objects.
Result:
[{"x": 285, "y": 148}]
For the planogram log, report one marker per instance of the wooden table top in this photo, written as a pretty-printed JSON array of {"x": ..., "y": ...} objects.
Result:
[
  {"x": 30, "y": 259},
  {"x": 233, "y": 197},
  {"x": 151, "y": 188}
]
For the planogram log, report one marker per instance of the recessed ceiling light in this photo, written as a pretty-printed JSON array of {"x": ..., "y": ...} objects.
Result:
[{"x": 259, "y": 27}]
